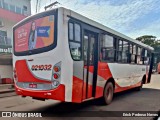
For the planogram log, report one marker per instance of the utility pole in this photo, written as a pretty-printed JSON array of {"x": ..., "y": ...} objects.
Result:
[{"x": 36, "y": 6}]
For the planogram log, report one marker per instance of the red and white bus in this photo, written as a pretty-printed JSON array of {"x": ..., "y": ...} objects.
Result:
[{"x": 62, "y": 55}]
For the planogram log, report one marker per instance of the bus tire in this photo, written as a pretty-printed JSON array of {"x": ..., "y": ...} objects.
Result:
[{"x": 108, "y": 93}]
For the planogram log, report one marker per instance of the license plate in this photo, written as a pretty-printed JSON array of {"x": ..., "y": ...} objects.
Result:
[{"x": 32, "y": 85}]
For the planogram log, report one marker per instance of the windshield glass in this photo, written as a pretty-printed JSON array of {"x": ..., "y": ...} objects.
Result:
[{"x": 35, "y": 34}]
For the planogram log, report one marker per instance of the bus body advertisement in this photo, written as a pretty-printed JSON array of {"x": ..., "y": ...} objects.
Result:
[{"x": 61, "y": 55}]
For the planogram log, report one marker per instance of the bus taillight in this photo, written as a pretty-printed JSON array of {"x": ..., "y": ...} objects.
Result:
[
  {"x": 56, "y": 68},
  {"x": 56, "y": 76}
]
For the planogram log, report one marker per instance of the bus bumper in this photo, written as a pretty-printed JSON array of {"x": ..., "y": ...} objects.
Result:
[{"x": 55, "y": 94}]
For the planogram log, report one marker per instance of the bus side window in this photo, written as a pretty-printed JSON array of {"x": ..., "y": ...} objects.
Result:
[
  {"x": 147, "y": 57},
  {"x": 120, "y": 49},
  {"x": 125, "y": 52},
  {"x": 71, "y": 31},
  {"x": 77, "y": 32},
  {"x": 107, "y": 48},
  {"x": 133, "y": 54},
  {"x": 139, "y": 56},
  {"x": 75, "y": 40}
]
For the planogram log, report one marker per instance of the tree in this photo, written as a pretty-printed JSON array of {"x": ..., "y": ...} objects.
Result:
[
  {"x": 147, "y": 39},
  {"x": 153, "y": 42}
]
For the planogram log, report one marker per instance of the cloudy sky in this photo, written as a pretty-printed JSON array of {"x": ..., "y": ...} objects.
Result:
[{"x": 130, "y": 17}]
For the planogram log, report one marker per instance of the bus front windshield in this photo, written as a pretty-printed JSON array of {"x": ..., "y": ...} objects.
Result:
[{"x": 34, "y": 35}]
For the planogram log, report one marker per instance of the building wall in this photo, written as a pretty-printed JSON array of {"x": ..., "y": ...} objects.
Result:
[
  {"x": 18, "y": 4},
  {"x": 8, "y": 27},
  {"x": 17, "y": 9},
  {"x": 6, "y": 71}
]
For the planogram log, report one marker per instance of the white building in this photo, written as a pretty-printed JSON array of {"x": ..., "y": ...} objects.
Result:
[{"x": 11, "y": 12}]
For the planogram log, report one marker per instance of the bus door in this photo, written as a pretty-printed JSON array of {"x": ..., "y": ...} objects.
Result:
[{"x": 90, "y": 52}]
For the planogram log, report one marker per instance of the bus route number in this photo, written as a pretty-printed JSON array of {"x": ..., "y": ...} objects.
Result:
[{"x": 41, "y": 67}]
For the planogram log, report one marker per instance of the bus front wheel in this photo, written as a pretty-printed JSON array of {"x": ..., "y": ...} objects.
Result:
[{"x": 108, "y": 93}]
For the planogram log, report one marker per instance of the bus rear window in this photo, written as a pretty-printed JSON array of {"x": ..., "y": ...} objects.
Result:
[{"x": 34, "y": 35}]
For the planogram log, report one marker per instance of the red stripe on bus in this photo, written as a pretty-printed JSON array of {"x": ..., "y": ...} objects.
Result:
[
  {"x": 77, "y": 90},
  {"x": 99, "y": 91},
  {"x": 120, "y": 89},
  {"x": 104, "y": 71},
  {"x": 24, "y": 74}
]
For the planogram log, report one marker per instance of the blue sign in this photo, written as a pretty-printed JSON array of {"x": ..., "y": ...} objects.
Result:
[{"x": 43, "y": 31}]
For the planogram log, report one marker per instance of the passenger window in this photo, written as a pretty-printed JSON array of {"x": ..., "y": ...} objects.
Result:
[
  {"x": 139, "y": 56},
  {"x": 119, "y": 52},
  {"x": 120, "y": 47},
  {"x": 133, "y": 52},
  {"x": 75, "y": 40},
  {"x": 107, "y": 48},
  {"x": 75, "y": 49},
  {"x": 125, "y": 52},
  {"x": 133, "y": 58},
  {"x": 77, "y": 32},
  {"x": 139, "y": 51},
  {"x": 71, "y": 31},
  {"x": 134, "y": 49},
  {"x": 147, "y": 57},
  {"x": 131, "y": 48}
]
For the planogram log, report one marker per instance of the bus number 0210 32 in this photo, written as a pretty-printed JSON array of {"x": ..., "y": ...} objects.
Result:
[{"x": 41, "y": 67}]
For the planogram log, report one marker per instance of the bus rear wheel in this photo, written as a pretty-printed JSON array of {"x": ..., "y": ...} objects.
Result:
[{"x": 108, "y": 93}]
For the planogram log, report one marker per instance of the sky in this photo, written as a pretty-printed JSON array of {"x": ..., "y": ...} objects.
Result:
[{"x": 133, "y": 18}]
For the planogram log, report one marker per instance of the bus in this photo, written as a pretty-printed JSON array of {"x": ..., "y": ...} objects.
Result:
[
  {"x": 61, "y": 55},
  {"x": 158, "y": 68}
]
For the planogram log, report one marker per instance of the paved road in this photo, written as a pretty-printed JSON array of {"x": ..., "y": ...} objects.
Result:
[{"x": 148, "y": 99}]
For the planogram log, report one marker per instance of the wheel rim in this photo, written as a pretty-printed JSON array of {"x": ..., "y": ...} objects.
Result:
[{"x": 109, "y": 93}]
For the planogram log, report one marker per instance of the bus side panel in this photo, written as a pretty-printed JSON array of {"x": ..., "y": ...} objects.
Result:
[
  {"x": 77, "y": 86},
  {"x": 127, "y": 76}
]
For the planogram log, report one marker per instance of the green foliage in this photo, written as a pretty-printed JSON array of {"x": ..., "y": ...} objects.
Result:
[{"x": 153, "y": 42}]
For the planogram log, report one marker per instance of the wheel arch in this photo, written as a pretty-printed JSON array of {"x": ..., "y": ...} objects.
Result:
[{"x": 110, "y": 80}]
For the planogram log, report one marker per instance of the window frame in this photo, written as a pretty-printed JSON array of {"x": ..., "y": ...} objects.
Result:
[
  {"x": 101, "y": 45},
  {"x": 74, "y": 41}
]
